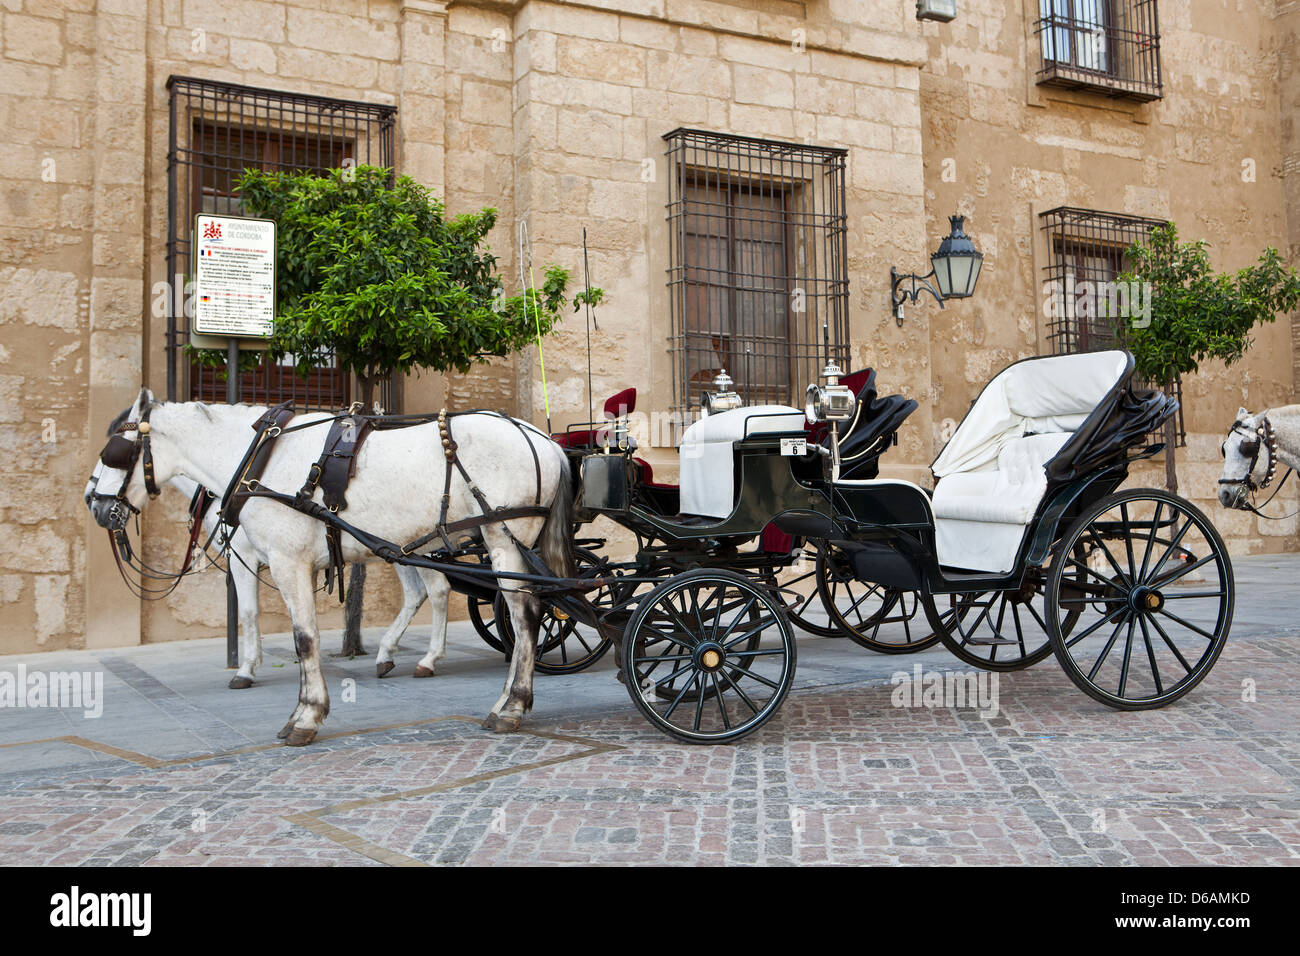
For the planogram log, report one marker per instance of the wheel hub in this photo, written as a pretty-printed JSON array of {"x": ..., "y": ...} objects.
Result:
[
  {"x": 1147, "y": 599},
  {"x": 710, "y": 656}
]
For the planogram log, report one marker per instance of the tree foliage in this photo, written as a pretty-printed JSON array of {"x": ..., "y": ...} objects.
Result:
[
  {"x": 1198, "y": 314},
  {"x": 371, "y": 270}
]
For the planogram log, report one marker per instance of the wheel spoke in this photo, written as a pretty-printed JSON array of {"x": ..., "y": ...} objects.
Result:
[
  {"x": 736, "y": 620},
  {"x": 722, "y": 704},
  {"x": 1092, "y": 627},
  {"x": 1177, "y": 653},
  {"x": 1187, "y": 624},
  {"x": 1187, "y": 525},
  {"x": 678, "y": 699},
  {"x": 1105, "y": 653},
  {"x": 1174, "y": 576},
  {"x": 758, "y": 677},
  {"x": 760, "y": 625},
  {"x": 1151, "y": 655},
  {"x": 1151, "y": 539},
  {"x": 1110, "y": 558},
  {"x": 1128, "y": 657},
  {"x": 1128, "y": 542},
  {"x": 743, "y": 696}
]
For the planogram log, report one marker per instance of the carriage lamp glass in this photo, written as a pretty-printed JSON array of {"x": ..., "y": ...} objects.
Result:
[
  {"x": 723, "y": 399},
  {"x": 831, "y": 402},
  {"x": 954, "y": 267},
  {"x": 944, "y": 11}
]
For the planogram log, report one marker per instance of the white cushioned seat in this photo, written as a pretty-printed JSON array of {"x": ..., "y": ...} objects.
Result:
[
  {"x": 991, "y": 475},
  {"x": 707, "y": 457}
]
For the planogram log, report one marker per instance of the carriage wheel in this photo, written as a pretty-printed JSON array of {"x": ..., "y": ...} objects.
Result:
[
  {"x": 859, "y": 610},
  {"x": 1002, "y": 630},
  {"x": 1156, "y": 602},
  {"x": 483, "y": 615},
  {"x": 565, "y": 646},
  {"x": 723, "y": 641}
]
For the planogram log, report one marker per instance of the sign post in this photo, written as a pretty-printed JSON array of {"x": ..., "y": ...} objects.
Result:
[{"x": 234, "y": 299}]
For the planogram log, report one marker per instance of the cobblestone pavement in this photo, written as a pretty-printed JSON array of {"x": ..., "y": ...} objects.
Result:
[{"x": 180, "y": 770}]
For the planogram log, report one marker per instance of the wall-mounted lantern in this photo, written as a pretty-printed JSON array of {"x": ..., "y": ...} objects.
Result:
[
  {"x": 944, "y": 11},
  {"x": 954, "y": 266}
]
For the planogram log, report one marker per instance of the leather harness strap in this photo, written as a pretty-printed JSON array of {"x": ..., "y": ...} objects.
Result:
[
  {"x": 337, "y": 464},
  {"x": 249, "y": 472}
]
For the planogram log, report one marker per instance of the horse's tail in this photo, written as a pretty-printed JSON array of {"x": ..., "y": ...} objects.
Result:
[{"x": 557, "y": 533}]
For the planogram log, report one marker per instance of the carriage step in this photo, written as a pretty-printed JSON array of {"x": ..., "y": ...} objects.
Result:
[{"x": 990, "y": 641}]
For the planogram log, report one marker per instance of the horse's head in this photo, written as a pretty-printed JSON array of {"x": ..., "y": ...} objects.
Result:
[
  {"x": 1247, "y": 460},
  {"x": 122, "y": 481}
]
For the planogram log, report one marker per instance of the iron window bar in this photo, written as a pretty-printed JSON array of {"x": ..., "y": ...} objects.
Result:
[
  {"x": 216, "y": 130},
  {"x": 1089, "y": 246},
  {"x": 758, "y": 272}
]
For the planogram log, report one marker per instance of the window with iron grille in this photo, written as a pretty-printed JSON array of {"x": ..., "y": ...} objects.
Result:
[
  {"x": 1109, "y": 45},
  {"x": 758, "y": 274},
  {"x": 217, "y": 130},
  {"x": 1086, "y": 252}
]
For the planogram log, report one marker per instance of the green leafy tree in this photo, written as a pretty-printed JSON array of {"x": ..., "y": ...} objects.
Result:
[
  {"x": 374, "y": 273},
  {"x": 1196, "y": 314},
  {"x": 371, "y": 272}
]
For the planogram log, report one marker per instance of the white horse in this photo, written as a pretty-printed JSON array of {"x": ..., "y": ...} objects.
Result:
[
  {"x": 244, "y": 563},
  {"x": 1255, "y": 446},
  {"x": 396, "y": 495}
]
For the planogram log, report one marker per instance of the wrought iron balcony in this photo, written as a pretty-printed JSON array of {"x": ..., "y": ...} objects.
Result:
[{"x": 1112, "y": 46}]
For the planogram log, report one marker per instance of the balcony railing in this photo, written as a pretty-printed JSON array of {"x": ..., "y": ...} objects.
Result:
[{"x": 1112, "y": 46}]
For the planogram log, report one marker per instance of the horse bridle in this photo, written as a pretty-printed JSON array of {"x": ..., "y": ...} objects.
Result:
[
  {"x": 125, "y": 453},
  {"x": 1260, "y": 438}
]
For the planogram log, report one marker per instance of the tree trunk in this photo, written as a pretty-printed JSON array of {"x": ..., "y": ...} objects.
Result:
[
  {"x": 1171, "y": 443},
  {"x": 352, "y": 646}
]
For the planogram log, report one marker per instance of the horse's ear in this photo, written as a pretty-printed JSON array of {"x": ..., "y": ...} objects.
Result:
[
  {"x": 144, "y": 400},
  {"x": 1242, "y": 414}
]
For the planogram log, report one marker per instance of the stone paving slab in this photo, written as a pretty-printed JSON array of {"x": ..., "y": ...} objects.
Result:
[{"x": 181, "y": 771}]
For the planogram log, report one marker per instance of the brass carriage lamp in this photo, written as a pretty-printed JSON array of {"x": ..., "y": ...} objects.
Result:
[{"x": 954, "y": 266}]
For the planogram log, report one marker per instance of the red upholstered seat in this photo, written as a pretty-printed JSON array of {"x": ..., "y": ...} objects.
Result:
[
  {"x": 648, "y": 476},
  {"x": 616, "y": 406}
]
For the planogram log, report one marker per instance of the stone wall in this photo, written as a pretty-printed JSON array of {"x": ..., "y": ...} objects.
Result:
[
  {"x": 1206, "y": 155},
  {"x": 553, "y": 113}
]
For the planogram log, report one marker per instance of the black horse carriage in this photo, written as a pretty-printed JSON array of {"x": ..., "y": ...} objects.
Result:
[
  {"x": 805, "y": 575},
  {"x": 1026, "y": 547}
]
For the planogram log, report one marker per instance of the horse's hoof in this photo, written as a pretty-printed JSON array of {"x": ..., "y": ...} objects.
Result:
[
  {"x": 285, "y": 731},
  {"x": 239, "y": 682},
  {"x": 300, "y": 738},
  {"x": 507, "y": 725},
  {"x": 422, "y": 671},
  {"x": 383, "y": 667}
]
